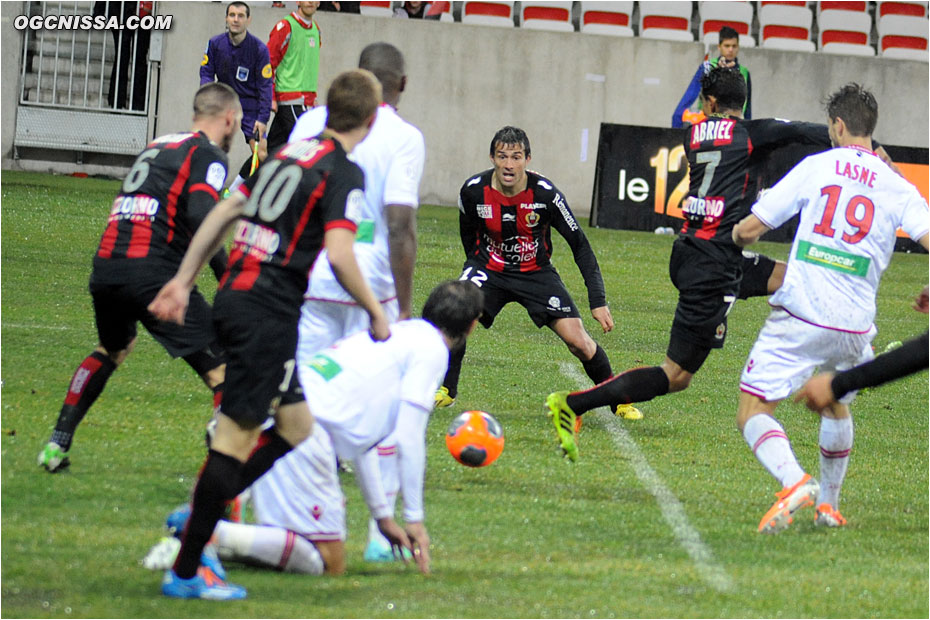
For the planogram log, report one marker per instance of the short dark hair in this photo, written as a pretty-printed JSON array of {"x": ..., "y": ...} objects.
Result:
[
  {"x": 214, "y": 99},
  {"x": 726, "y": 85},
  {"x": 856, "y": 106},
  {"x": 387, "y": 63},
  {"x": 726, "y": 32},
  {"x": 248, "y": 12},
  {"x": 452, "y": 307},
  {"x": 511, "y": 135},
  {"x": 352, "y": 99}
]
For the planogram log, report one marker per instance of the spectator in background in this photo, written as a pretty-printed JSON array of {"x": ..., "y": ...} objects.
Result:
[
  {"x": 340, "y": 7},
  {"x": 131, "y": 47},
  {"x": 294, "y": 48},
  {"x": 240, "y": 60},
  {"x": 412, "y": 10},
  {"x": 728, "y": 48}
]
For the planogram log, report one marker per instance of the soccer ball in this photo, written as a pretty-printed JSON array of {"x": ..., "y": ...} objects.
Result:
[{"x": 475, "y": 439}]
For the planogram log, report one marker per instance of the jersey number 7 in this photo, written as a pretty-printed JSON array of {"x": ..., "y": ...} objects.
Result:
[{"x": 859, "y": 213}]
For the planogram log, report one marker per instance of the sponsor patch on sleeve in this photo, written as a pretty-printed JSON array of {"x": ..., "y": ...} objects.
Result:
[
  {"x": 266, "y": 71},
  {"x": 216, "y": 175},
  {"x": 354, "y": 204},
  {"x": 205, "y": 60}
]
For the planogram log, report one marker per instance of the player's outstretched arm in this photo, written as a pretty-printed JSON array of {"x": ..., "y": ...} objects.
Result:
[
  {"x": 748, "y": 230},
  {"x": 338, "y": 242}
]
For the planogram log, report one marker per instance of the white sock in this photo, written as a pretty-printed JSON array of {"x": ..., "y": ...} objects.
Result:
[
  {"x": 274, "y": 547},
  {"x": 836, "y": 440},
  {"x": 235, "y": 184},
  {"x": 770, "y": 444},
  {"x": 390, "y": 480}
]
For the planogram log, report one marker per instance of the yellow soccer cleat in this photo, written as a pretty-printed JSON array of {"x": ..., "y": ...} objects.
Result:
[
  {"x": 628, "y": 412},
  {"x": 563, "y": 418},
  {"x": 442, "y": 398}
]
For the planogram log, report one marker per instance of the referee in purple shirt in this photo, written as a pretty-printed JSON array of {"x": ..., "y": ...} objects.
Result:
[{"x": 241, "y": 60}]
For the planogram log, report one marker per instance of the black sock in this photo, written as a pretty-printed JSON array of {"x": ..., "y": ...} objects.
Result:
[
  {"x": 217, "y": 484},
  {"x": 633, "y": 386},
  {"x": 598, "y": 367},
  {"x": 451, "y": 381},
  {"x": 86, "y": 386},
  {"x": 271, "y": 446}
]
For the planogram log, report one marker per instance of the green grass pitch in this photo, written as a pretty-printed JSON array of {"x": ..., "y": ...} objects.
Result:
[{"x": 657, "y": 519}]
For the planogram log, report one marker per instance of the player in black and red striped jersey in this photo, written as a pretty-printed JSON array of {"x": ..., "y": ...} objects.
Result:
[
  {"x": 708, "y": 269},
  {"x": 307, "y": 196},
  {"x": 507, "y": 215},
  {"x": 170, "y": 188}
]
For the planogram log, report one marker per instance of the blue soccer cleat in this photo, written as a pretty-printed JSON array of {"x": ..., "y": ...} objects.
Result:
[{"x": 205, "y": 584}]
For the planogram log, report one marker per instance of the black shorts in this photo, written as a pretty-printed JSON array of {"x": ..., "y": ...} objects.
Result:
[
  {"x": 282, "y": 124},
  {"x": 260, "y": 347},
  {"x": 708, "y": 283},
  {"x": 757, "y": 268},
  {"x": 541, "y": 292},
  {"x": 118, "y": 307}
]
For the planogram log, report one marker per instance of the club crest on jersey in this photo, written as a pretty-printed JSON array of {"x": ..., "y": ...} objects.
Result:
[
  {"x": 485, "y": 212},
  {"x": 531, "y": 218},
  {"x": 242, "y": 74},
  {"x": 721, "y": 331},
  {"x": 316, "y": 511}
]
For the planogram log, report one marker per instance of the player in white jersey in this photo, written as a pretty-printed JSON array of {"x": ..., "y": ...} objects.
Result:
[
  {"x": 392, "y": 158},
  {"x": 851, "y": 205},
  {"x": 359, "y": 392}
]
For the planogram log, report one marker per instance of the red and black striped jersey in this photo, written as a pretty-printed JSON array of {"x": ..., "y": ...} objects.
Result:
[
  {"x": 307, "y": 188},
  {"x": 169, "y": 190},
  {"x": 721, "y": 152},
  {"x": 512, "y": 234}
]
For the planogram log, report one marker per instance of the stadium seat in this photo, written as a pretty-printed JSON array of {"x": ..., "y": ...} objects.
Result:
[
  {"x": 762, "y": 3},
  {"x": 903, "y": 36},
  {"x": 785, "y": 27},
  {"x": 443, "y": 9},
  {"x": 611, "y": 18},
  {"x": 842, "y": 5},
  {"x": 555, "y": 16},
  {"x": 665, "y": 20},
  {"x": 845, "y": 32},
  {"x": 736, "y": 15},
  {"x": 901, "y": 7},
  {"x": 487, "y": 13},
  {"x": 376, "y": 9}
]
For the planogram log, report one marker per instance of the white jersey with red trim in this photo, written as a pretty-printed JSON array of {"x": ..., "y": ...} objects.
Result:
[
  {"x": 355, "y": 387},
  {"x": 392, "y": 157},
  {"x": 851, "y": 205}
]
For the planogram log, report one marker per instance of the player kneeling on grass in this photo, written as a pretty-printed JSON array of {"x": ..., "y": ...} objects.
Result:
[
  {"x": 359, "y": 391},
  {"x": 851, "y": 203}
]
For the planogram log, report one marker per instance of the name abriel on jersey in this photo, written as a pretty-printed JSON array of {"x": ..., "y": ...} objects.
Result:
[
  {"x": 261, "y": 242},
  {"x": 142, "y": 207},
  {"x": 519, "y": 248}
]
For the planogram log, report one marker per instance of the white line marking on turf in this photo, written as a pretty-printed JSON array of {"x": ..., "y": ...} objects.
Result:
[
  {"x": 672, "y": 510},
  {"x": 30, "y": 326}
]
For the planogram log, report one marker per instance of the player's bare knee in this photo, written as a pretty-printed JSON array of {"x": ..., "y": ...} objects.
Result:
[
  {"x": 294, "y": 422},
  {"x": 117, "y": 357},
  {"x": 678, "y": 378},
  {"x": 334, "y": 557}
]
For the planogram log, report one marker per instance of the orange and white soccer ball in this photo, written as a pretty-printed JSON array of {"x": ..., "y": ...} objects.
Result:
[{"x": 475, "y": 439}]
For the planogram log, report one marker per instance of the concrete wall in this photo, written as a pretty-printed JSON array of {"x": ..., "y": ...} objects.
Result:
[
  {"x": 11, "y": 54},
  {"x": 465, "y": 82}
]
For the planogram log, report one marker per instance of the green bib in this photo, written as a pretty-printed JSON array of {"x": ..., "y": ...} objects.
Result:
[{"x": 300, "y": 66}]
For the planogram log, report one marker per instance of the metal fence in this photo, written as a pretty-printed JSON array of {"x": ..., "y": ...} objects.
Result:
[{"x": 83, "y": 89}]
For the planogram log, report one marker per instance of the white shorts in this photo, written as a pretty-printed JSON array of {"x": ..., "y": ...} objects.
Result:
[
  {"x": 324, "y": 322},
  {"x": 302, "y": 493},
  {"x": 788, "y": 350}
]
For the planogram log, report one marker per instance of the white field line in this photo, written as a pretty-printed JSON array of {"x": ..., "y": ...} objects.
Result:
[
  {"x": 31, "y": 326},
  {"x": 674, "y": 513}
]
